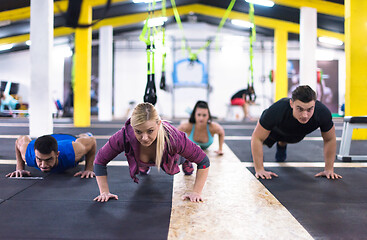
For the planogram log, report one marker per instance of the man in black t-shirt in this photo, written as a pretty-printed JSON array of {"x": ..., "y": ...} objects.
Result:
[{"x": 289, "y": 121}]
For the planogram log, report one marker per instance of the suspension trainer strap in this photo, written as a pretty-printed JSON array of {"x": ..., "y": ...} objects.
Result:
[
  {"x": 162, "y": 84},
  {"x": 223, "y": 21},
  {"x": 150, "y": 90},
  {"x": 194, "y": 56},
  {"x": 184, "y": 44},
  {"x": 250, "y": 81}
]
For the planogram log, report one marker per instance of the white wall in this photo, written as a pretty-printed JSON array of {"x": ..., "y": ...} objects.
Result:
[
  {"x": 15, "y": 67},
  {"x": 228, "y": 69}
]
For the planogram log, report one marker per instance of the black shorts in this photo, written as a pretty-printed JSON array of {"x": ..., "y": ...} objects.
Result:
[{"x": 288, "y": 139}]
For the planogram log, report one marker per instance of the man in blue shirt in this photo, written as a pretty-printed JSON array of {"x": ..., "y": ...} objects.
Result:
[{"x": 55, "y": 153}]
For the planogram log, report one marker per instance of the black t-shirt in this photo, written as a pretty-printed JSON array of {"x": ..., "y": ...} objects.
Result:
[
  {"x": 239, "y": 94},
  {"x": 278, "y": 119}
]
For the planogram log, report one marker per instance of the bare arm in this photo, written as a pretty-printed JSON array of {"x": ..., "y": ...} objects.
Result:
[
  {"x": 257, "y": 139},
  {"x": 201, "y": 176},
  {"x": 195, "y": 195},
  {"x": 329, "y": 138},
  {"x": 85, "y": 145},
  {"x": 20, "y": 149},
  {"x": 185, "y": 127},
  {"x": 218, "y": 129},
  {"x": 104, "y": 190},
  {"x": 20, "y": 160}
]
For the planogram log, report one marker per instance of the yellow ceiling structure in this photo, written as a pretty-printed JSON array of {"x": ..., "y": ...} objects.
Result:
[{"x": 120, "y": 21}]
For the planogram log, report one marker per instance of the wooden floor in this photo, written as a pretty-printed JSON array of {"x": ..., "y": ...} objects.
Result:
[{"x": 236, "y": 206}]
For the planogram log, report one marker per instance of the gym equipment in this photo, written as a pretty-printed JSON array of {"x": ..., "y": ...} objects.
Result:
[
  {"x": 192, "y": 63},
  {"x": 250, "y": 81},
  {"x": 271, "y": 76},
  {"x": 319, "y": 75},
  {"x": 350, "y": 123},
  {"x": 7, "y": 102},
  {"x": 150, "y": 90},
  {"x": 192, "y": 58},
  {"x": 162, "y": 84}
]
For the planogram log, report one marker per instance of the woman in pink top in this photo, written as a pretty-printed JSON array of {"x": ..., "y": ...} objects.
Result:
[{"x": 148, "y": 141}]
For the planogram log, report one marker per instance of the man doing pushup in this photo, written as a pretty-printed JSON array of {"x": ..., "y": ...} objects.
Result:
[
  {"x": 55, "y": 153},
  {"x": 289, "y": 121}
]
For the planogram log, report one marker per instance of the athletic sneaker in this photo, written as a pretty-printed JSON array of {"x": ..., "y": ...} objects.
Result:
[
  {"x": 144, "y": 170},
  {"x": 187, "y": 167},
  {"x": 281, "y": 154}
]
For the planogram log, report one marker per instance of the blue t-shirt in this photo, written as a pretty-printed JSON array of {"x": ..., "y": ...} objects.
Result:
[{"x": 66, "y": 157}]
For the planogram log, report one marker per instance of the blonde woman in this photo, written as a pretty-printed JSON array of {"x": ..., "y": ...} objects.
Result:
[{"x": 148, "y": 141}]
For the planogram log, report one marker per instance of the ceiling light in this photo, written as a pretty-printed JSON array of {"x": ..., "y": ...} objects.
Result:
[
  {"x": 332, "y": 41},
  {"x": 145, "y": 1},
  {"x": 242, "y": 23},
  {"x": 6, "y": 47},
  {"x": 5, "y": 23},
  {"x": 155, "y": 22},
  {"x": 266, "y": 3}
]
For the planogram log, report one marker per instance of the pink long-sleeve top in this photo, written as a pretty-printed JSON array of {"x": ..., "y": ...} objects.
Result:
[{"x": 125, "y": 141}]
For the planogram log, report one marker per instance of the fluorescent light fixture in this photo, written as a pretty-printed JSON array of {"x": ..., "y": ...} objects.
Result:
[
  {"x": 332, "y": 41},
  {"x": 241, "y": 23},
  {"x": 155, "y": 22},
  {"x": 6, "y": 47},
  {"x": 145, "y": 1},
  {"x": 28, "y": 42},
  {"x": 5, "y": 23},
  {"x": 265, "y": 3}
]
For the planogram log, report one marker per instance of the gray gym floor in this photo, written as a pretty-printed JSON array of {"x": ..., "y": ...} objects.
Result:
[{"x": 61, "y": 206}]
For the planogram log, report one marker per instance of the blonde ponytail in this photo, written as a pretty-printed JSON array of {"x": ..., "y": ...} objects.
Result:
[{"x": 161, "y": 137}]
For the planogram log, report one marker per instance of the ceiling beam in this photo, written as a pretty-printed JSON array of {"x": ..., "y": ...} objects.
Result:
[
  {"x": 324, "y": 7},
  {"x": 262, "y": 21},
  {"x": 183, "y": 10},
  {"x": 59, "y": 6},
  {"x": 328, "y": 8}
]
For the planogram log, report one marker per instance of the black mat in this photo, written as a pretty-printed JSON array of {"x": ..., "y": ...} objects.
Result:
[
  {"x": 327, "y": 209},
  {"x": 83, "y": 220},
  {"x": 11, "y": 187},
  {"x": 304, "y": 151},
  {"x": 61, "y": 207},
  {"x": 7, "y": 150}
]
